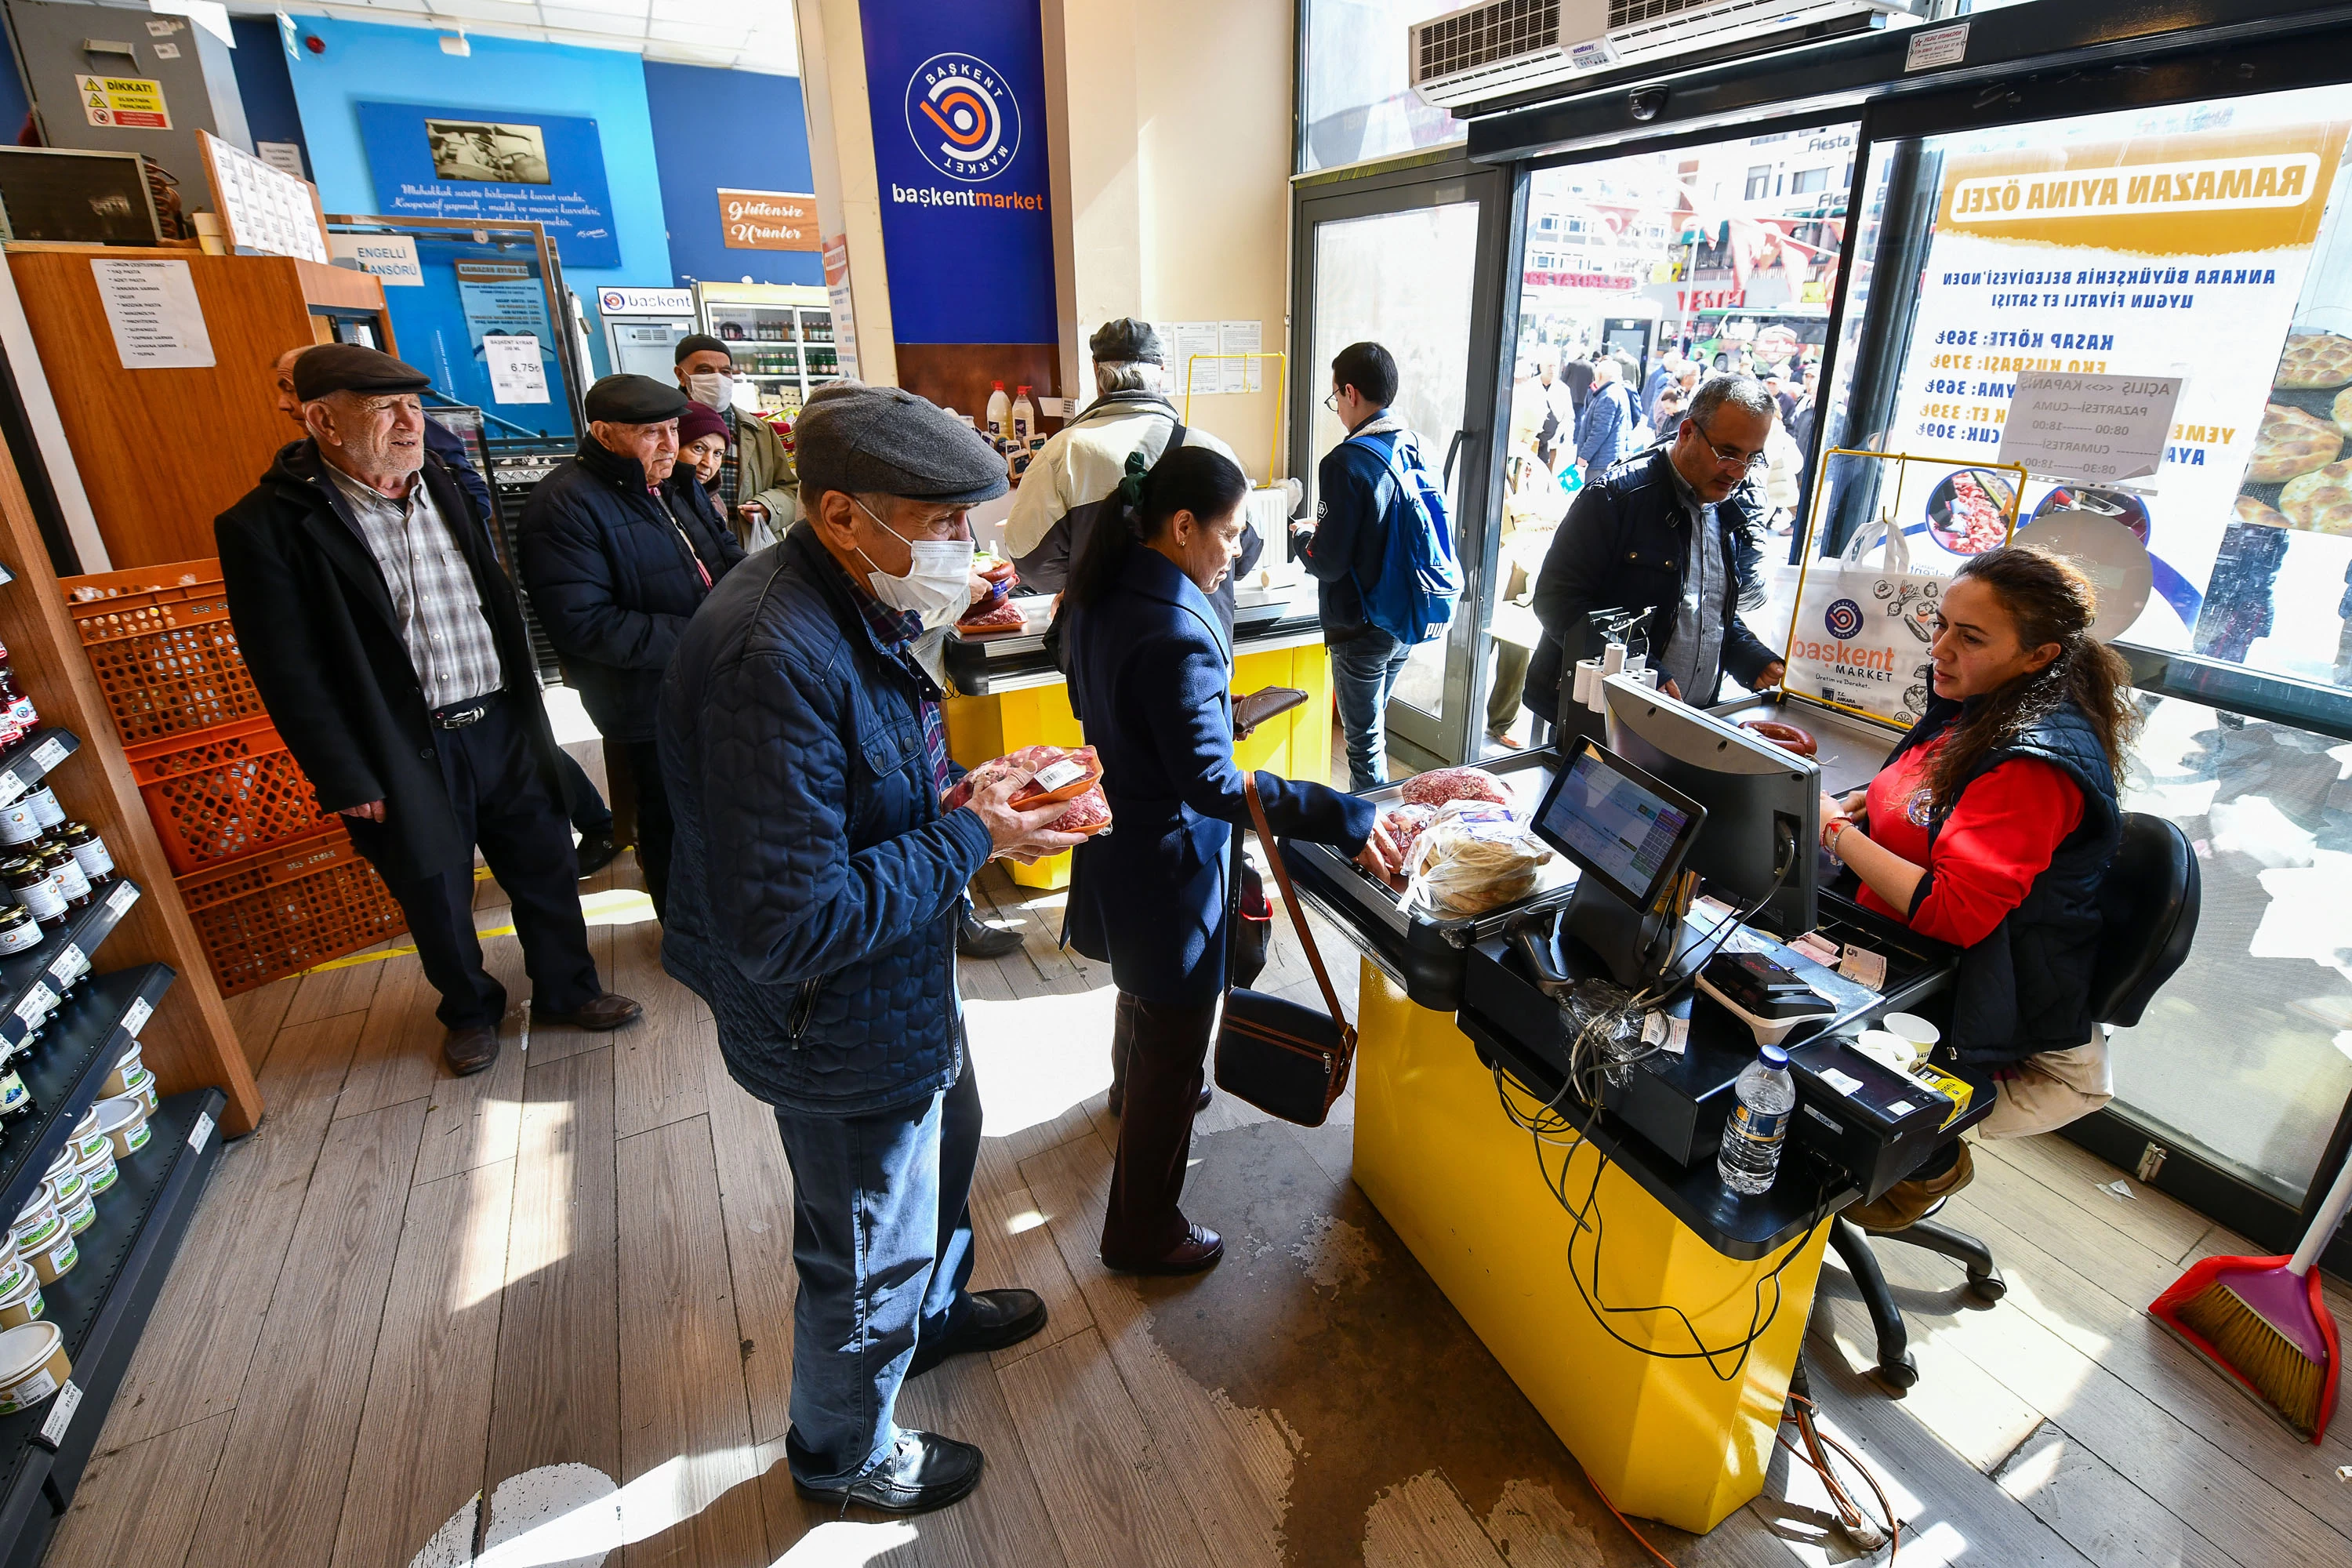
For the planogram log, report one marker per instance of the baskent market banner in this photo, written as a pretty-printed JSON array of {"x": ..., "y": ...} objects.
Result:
[
  {"x": 2181, "y": 255},
  {"x": 957, "y": 93}
]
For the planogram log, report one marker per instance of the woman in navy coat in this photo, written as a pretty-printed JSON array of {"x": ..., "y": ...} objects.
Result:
[{"x": 1150, "y": 675}]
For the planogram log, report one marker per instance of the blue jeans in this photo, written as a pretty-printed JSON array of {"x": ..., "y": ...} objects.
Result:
[
  {"x": 1364, "y": 671},
  {"x": 882, "y": 1243}
]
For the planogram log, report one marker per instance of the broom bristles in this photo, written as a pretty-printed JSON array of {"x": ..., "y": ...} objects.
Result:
[{"x": 2265, "y": 1360}]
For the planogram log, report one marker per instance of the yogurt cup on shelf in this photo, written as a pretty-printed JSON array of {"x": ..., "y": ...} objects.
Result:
[
  {"x": 33, "y": 1365},
  {"x": 20, "y": 1295},
  {"x": 124, "y": 1123}
]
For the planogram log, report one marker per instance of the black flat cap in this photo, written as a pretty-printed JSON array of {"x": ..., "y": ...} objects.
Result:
[
  {"x": 635, "y": 400},
  {"x": 1126, "y": 342},
  {"x": 695, "y": 344},
  {"x": 880, "y": 440},
  {"x": 353, "y": 367}
]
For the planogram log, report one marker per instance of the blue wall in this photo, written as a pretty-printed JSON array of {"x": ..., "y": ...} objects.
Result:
[
  {"x": 367, "y": 62},
  {"x": 263, "y": 84},
  {"x": 736, "y": 128}
]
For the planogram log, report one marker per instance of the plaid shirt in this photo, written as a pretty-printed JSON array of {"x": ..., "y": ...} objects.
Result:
[
  {"x": 730, "y": 470},
  {"x": 433, "y": 590},
  {"x": 897, "y": 630}
]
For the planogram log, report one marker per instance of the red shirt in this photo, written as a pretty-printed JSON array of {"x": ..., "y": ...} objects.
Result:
[{"x": 2000, "y": 837}]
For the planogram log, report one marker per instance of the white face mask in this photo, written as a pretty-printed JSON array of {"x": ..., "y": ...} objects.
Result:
[
  {"x": 937, "y": 584},
  {"x": 711, "y": 389}
]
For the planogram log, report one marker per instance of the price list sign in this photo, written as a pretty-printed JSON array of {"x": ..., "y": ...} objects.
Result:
[{"x": 2097, "y": 429}]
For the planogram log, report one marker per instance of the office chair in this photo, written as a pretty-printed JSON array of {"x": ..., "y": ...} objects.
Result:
[{"x": 2149, "y": 905}]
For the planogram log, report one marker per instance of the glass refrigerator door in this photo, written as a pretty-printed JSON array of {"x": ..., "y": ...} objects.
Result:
[{"x": 640, "y": 347}]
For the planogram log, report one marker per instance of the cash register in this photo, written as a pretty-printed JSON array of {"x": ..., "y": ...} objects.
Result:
[{"x": 1679, "y": 797}]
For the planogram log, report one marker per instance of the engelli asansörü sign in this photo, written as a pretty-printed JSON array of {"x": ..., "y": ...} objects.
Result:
[{"x": 956, "y": 89}]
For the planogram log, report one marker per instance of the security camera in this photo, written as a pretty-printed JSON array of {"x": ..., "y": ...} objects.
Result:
[{"x": 1647, "y": 102}]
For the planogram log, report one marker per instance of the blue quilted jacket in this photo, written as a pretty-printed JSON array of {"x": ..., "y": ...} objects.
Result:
[{"x": 814, "y": 880}]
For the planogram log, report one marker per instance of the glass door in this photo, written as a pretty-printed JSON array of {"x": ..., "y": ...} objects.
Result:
[{"x": 1411, "y": 260}]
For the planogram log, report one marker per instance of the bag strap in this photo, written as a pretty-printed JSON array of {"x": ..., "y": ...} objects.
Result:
[{"x": 1298, "y": 912}]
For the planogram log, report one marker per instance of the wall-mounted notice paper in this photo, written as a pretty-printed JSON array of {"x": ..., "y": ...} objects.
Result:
[
  {"x": 1241, "y": 338},
  {"x": 2095, "y": 428},
  {"x": 516, "y": 374},
  {"x": 152, "y": 307}
]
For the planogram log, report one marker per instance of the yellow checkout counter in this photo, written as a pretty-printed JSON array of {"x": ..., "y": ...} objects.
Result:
[
  {"x": 1606, "y": 1327},
  {"x": 1009, "y": 695}
]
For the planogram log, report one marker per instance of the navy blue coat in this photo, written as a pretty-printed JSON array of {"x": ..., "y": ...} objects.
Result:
[
  {"x": 1150, "y": 678},
  {"x": 814, "y": 880},
  {"x": 1355, "y": 507},
  {"x": 2026, "y": 987},
  {"x": 612, "y": 580}
]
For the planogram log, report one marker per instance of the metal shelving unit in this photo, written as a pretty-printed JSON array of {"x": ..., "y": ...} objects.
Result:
[{"x": 780, "y": 334}]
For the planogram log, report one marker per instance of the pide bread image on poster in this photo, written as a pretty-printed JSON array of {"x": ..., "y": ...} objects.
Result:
[{"x": 2137, "y": 256}]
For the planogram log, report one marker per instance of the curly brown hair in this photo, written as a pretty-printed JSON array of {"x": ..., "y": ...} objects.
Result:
[{"x": 2050, "y": 601}]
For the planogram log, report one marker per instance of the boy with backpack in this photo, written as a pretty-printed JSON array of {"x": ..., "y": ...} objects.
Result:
[{"x": 1380, "y": 553}]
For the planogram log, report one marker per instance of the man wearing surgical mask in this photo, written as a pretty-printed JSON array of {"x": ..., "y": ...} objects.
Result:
[
  {"x": 757, "y": 491},
  {"x": 619, "y": 547},
  {"x": 813, "y": 904}
]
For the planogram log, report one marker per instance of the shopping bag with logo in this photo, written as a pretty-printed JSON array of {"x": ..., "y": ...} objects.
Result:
[{"x": 1860, "y": 634}]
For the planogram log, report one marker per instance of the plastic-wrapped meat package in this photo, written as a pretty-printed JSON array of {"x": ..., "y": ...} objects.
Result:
[
  {"x": 1090, "y": 814},
  {"x": 1473, "y": 857},
  {"x": 992, "y": 616},
  {"x": 1404, "y": 825},
  {"x": 1439, "y": 785},
  {"x": 1055, "y": 774}
]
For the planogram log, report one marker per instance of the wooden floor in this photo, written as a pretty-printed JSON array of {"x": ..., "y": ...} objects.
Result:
[{"x": 437, "y": 1321}]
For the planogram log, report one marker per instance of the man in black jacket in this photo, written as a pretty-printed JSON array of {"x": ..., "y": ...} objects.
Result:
[
  {"x": 618, "y": 551},
  {"x": 389, "y": 648},
  {"x": 1629, "y": 543}
]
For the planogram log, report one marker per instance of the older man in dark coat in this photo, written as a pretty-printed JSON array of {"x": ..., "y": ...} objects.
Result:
[
  {"x": 812, "y": 903},
  {"x": 389, "y": 648},
  {"x": 619, "y": 547}
]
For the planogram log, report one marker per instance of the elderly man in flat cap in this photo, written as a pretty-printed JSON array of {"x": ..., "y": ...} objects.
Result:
[
  {"x": 813, "y": 903},
  {"x": 1085, "y": 459},
  {"x": 389, "y": 648},
  {"x": 619, "y": 547},
  {"x": 757, "y": 491}
]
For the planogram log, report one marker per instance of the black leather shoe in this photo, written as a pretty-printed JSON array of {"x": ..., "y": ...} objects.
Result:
[
  {"x": 606, "y": 1010},
  {"x": 468, "y": 1051},
  {"x": 926, "y": 1472},
  {"x": 992, "y": 1321},
  {"x": 1118, "y": 1102},
  {"x": 596, "y": 851},
  {"x": 975, "y": 939},
  {"x": 1199, "y": 1250}
]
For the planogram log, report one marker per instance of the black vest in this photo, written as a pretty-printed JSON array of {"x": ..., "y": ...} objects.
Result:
[{"x": 2026, "y": 987}]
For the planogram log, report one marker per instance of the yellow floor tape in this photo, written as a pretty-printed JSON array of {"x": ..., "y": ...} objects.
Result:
[{"x": 616, "y": 907}]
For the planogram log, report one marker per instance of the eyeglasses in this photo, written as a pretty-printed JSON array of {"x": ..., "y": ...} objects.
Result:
[
  {"x": 1331, "y": 401},
  {"x": 1749, "y": 461}
]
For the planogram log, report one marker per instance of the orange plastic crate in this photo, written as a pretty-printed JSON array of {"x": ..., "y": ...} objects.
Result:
[
  {"x": 225, "y": 793},
  {"x": 275, "y": 914},
  {"x": 160, "y": 640}
]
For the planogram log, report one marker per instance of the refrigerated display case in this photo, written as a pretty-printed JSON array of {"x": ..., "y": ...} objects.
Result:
[{"x": 780, "y": 335}]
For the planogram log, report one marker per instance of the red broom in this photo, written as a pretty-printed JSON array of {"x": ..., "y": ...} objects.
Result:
[{"x": 2263, "y": 1322}]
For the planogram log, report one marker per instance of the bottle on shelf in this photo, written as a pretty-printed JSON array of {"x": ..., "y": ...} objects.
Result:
[
  {"x": 999, "y": 415},
  {"x": 15, "y": 1100},
  {"x": 1758, "y": 1127},
  {"x": 1024, "y": 418}
]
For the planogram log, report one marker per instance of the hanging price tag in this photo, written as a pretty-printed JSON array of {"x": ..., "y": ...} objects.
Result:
[
  {"x": 202, "y": 1132},
  {"x": 11, "y": 786},
  {"x": 70, "y": 964},
  {"x": 138, "y": 1013},
  {"x": 49, "y": 753},
  {"x": 125, "y": 894},
  {"x": 61, "y": 1414},
  {"x": 35, "y": 1004}
]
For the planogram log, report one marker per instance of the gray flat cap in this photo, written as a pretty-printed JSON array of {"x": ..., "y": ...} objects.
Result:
[
  {"x": 881, "y": 440},
  {"x": 633, "y": 400},
  {"x": 330, "y": 368},
  {"x": 1126, "y": 342}
]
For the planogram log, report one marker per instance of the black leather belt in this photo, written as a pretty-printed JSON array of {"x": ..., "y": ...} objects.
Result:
[{"x": 458, "y": 715}]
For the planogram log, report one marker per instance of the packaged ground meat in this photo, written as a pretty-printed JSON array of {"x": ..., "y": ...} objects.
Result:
[
  {"x": 1473, "y": 857},
  {"x": 992, "y": 615},
  {"x": 1439, "y": 785},
  {"x": 1090, "y": 814},
  {"x": 1056, "y": 775},
  {"x": 1404, "y": 825}
]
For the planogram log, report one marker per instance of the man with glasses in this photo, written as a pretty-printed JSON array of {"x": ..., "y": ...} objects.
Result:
[
  {"x": 813, "y": 886},
  {"x": 1662, "y": 531}
]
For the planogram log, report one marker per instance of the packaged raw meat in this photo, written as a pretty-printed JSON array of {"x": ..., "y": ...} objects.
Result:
[
  {"x": 1090, "y": 814},
  {"x": 1405, "y": 824},
  {"x": 1474, "y": 855},
  {"x": 1788, "y": 737},
  {"x": 992, "y": 615},
  {"x": 1059, "y": 775},
  {"x": 1439, "y": 785}
]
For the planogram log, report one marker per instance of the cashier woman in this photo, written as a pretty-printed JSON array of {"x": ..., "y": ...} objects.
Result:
[
  {"x": 1151, "y": 668},
  {"x": 1990, "y": 827}
]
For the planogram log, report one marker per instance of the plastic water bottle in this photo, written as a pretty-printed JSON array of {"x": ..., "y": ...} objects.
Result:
[
  {"x": 1758, "y": 1125},
  {"x": 999, "y": 415},
  {"x": 1024, "y": 417}
]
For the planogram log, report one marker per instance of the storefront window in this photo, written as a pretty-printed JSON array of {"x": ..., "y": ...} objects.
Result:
[
  {"x": 1721, "y": 257},
  {"x": 2206, "y": 242},
  {"x": 1360, "y": 101}
]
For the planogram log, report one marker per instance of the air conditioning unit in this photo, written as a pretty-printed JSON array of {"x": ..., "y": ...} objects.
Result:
[{"x": 1511, "y": 45}]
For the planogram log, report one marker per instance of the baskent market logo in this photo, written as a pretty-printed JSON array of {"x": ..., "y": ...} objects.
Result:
[
  {"x": 962, "y": 117},
  {"x": 1844, "y": 619}
]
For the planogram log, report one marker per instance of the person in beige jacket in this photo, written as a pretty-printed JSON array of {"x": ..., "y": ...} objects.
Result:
[
  {"x": 1086, "y": 458},
  {"x": 759, "y": 492}
]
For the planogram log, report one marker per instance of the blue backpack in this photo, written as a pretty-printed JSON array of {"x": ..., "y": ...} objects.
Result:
[{"x": 1413, "y": 599}]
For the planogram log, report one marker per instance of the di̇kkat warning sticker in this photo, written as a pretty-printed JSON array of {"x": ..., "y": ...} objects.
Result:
[{"x": 129, "y": 102}]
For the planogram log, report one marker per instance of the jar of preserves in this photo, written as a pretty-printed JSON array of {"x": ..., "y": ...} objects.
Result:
[
  {"x": 28, "y": 880},
  {"x": 89, "y": 850},
  {"x": 73, "y": 886},
  {"x": 42, "y": 803},
  {"x": 18, "y": 930},
  {"x": 18, "y": 825}
]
